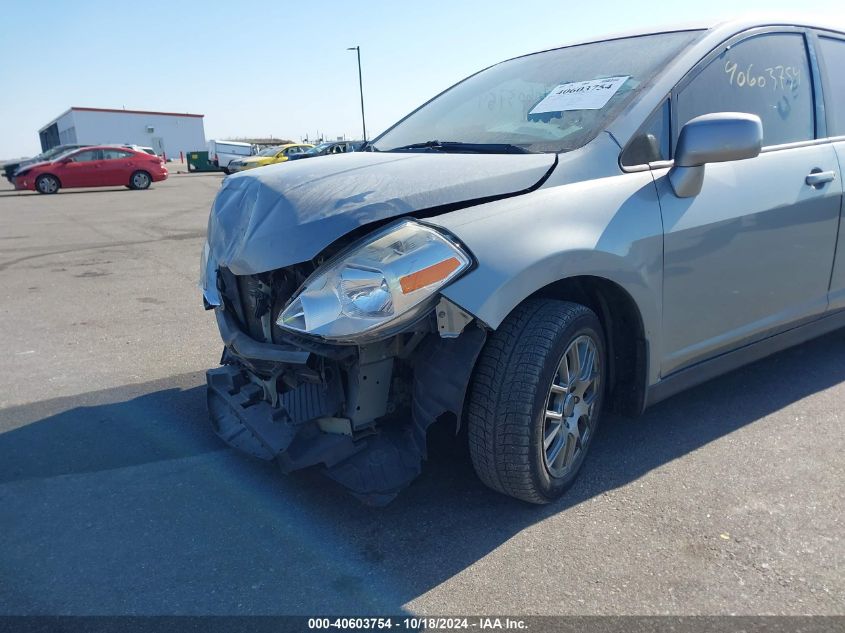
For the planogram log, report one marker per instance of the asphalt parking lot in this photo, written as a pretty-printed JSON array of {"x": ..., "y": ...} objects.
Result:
[{"x": 117, "y": 498}]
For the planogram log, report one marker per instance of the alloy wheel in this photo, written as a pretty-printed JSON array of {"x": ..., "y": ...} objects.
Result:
[{"x": 569, "y": 421}]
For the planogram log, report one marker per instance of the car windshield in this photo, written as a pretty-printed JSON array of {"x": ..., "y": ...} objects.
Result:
[
  {"x": 552, "y": 101},
  {"x": 53, "y": 152},
  {"x": 269, "y": 151}
]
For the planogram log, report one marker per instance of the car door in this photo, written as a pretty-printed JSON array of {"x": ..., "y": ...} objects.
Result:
[
  {"x": 752, "y": 253},
  {"x": 116, "y": 167},
  {"x": 831, "y": 48},
  {"x": 80, "y": 169}
]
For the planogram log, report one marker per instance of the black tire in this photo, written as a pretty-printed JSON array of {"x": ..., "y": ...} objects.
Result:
[
  {"x": 226, "y": 170},
  {"x": 47, "y": 184},
  {"x": 140, "y": 180},
  {"x": 510, "y": 393}
]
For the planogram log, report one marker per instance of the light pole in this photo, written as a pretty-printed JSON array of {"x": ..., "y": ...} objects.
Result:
[{"x": 357, "y": 49}]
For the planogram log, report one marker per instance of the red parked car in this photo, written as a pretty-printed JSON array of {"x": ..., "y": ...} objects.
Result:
[{"x": 100, "y": 166}]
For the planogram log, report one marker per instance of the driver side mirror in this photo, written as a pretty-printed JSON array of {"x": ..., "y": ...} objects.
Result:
[{"x": 713, "y": 138}]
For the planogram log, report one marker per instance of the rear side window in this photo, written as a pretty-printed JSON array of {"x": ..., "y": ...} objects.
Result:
[
  {"x": 833, "y": 54},
  {"x": 86, "y": 156},
  {"x": 115, "y": 154},
  {"x": 767, "y": 75}
]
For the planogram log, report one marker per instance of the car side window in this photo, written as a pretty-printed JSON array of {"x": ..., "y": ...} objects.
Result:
[
  {"x": 767, "y": 75},
  {"x": 115, "y": 154},
  {"x": 833, "y": 56},
  {"x": 86, "y": 157},
  {"x": 652, "y": 141}
]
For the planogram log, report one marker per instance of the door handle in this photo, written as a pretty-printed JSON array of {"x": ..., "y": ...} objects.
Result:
[{"x": 816, "y": 178}]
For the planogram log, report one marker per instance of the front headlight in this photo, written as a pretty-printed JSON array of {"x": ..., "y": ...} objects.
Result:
[{"x": 377, "y": 285}]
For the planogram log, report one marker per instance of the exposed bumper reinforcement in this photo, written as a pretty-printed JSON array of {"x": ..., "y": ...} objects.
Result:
[
  {"x": 378, "y": 461},
  {"x": 243, "y": 419},
  {"x": 243, "y": 345},
  {"x": 374, "y": 469}
]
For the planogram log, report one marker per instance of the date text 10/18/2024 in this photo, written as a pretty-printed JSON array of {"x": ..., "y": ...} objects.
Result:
[{"x": 417, "y": 623}]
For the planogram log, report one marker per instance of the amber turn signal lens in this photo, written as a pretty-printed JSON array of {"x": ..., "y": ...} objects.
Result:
[{"x": 427, "y": 276}]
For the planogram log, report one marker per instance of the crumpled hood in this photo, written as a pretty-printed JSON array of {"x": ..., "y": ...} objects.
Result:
[{"x": 285, "y": 214}]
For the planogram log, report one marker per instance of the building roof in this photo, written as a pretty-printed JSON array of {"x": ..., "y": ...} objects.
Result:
[
  {"x": 125, "y": 111},
  {"x": 119, "y": 111}
]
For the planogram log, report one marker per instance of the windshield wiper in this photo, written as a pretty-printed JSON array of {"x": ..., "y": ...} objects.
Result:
[{"x": 460, "y": 146}]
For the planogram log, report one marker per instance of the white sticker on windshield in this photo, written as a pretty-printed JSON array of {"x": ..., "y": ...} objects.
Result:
[{"x": 580, "y": 95}]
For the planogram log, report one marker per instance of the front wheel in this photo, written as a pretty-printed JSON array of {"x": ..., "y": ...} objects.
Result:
[
  {"x": 47, "y": 184},
  {"x": 535, "y": 399},
  {"x": 140, "y": 180}
]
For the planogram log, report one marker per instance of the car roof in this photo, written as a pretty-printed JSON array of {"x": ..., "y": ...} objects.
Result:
[
  {"x": 714, "y": 27},
  {"x": 735, "y": 24},
  {"x": 121, "y": 147}
]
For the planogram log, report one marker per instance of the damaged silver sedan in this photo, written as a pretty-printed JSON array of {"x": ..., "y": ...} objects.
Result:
[{"x": 565, "y": 233}]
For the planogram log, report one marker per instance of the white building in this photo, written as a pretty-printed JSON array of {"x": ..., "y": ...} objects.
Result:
[{"x": 166, "y": 132}]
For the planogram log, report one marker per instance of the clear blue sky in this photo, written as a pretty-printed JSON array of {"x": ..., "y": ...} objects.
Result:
[{"x": 260, "y": 68}]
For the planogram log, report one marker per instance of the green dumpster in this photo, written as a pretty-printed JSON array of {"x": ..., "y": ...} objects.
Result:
[{"x": 198, "y": 161}]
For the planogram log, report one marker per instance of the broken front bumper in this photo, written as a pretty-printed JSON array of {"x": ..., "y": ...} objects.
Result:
[{"x": 361, "y": 414}]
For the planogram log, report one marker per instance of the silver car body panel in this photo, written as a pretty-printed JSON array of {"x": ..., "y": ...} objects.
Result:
[
  {"x": 750, "y": 254},
  {"x": 602, "y": 225}
]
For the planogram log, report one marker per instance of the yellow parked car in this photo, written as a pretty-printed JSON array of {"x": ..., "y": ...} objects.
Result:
[{"x": 268, "y": 156}]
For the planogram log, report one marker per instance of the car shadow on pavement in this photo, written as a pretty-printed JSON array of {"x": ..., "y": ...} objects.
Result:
[{"x": 123, "y": 501}]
